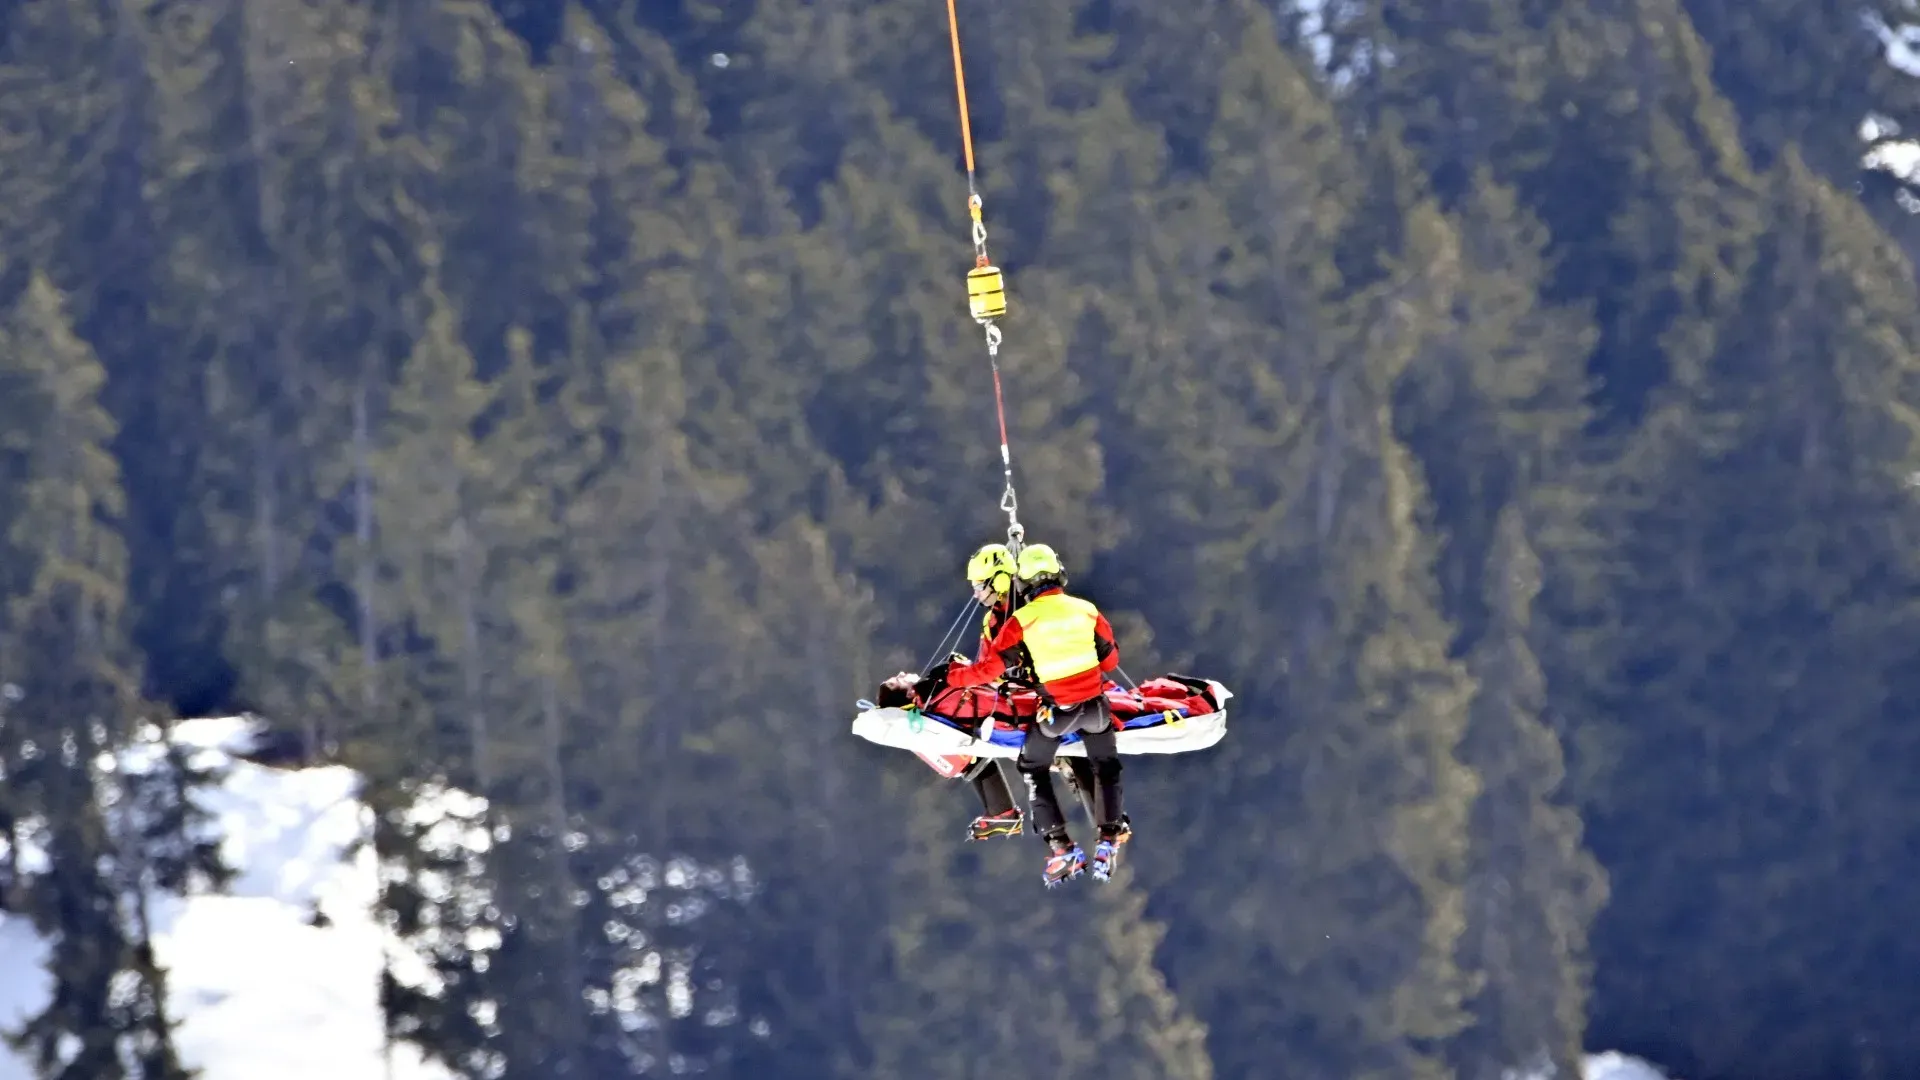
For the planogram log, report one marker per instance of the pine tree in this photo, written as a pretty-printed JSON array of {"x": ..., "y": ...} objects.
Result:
[
  {"x": 444, "y": 501},
  {"x": 467, "y": 547},
  {"x": 259, "y": 120},
  {"x": 1805, "y": 77},
  {"x": 1770, "y": 498},
  {"x": 1677, "y": 242},
  {"x": 1320, "y": 592},
  {"x": 508, "y": 198},
  {"x": 72, "y": 699},
  {"x": 1548, "y": 98},
  {"x": 799, "y": 633},
  {"x": 1166, "y": 56},
  {"x": 263, "y": 139},
  {"x": 1061, "y": 985},
  {"x": 1532, "y": 889},
  {"x": 1469, "y": 82},
  {"x": 1495, "y": 404}
]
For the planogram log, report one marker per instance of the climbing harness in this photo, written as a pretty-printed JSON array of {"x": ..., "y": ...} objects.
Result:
[{"x": 986, "y": 288}]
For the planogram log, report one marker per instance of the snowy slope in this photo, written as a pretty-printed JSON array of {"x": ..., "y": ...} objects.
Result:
[
  {"x": 263, "y": 992},
  {"x": 259, "y": 991}
]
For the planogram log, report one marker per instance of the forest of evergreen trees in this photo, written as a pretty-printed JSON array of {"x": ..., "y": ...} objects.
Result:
[{"x": 1514, "y": 402}]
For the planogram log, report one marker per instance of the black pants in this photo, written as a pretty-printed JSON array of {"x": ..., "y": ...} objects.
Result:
[
  {"x": 1082, "y": 782},
  {"x": 1094, "y": 721},
  {"x": 990, "y": 783}
]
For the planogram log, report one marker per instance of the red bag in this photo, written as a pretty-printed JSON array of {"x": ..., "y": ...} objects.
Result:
[
  {"x": 1157, "y": 696},
  {"x": 963, "y": 703},
  {"x": 979, "y": 702},
  {"x": 1021, "y": 704},
  {"x": 1188, "y": 694}
]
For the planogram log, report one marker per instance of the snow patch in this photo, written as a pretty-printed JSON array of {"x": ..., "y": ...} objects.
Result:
[
  {"x": 24, "y": 985},
  {"x": 258, "y": 987},
  {"x": 263, "y": 990},
  {"x": 1613, "y": 1065}
]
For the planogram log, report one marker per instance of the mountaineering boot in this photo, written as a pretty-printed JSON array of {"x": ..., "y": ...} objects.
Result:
[
  {"x": 987, "y": 826},
  {"x": 1066, "y": 861},
  {"x": 1106, "y": 854}
]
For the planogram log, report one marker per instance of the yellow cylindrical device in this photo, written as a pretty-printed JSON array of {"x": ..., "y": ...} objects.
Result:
[{"x": 986, "y": 293}]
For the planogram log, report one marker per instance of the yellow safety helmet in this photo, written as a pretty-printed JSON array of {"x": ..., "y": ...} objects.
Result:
[
  {"x": 1039, "y": 561},
  {"x": 987, "y": 566}
]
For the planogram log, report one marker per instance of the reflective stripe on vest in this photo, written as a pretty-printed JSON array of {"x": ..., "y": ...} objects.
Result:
[{"x": 1058, "y": 632}]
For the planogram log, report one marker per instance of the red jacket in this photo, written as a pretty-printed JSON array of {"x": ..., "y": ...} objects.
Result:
[{"x": 1076, "y": 643}]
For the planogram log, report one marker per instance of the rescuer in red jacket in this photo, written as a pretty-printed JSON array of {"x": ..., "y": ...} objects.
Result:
[
  {"x": 1067, "y": 647},
  {"x": 990, "y": 573}
]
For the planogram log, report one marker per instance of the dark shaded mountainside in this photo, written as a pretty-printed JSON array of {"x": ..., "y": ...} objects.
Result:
[{"x": 1513, "y": 402}]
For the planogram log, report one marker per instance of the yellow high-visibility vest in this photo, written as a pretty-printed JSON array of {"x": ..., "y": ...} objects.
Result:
[{"x": 1058, "y": 632}]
